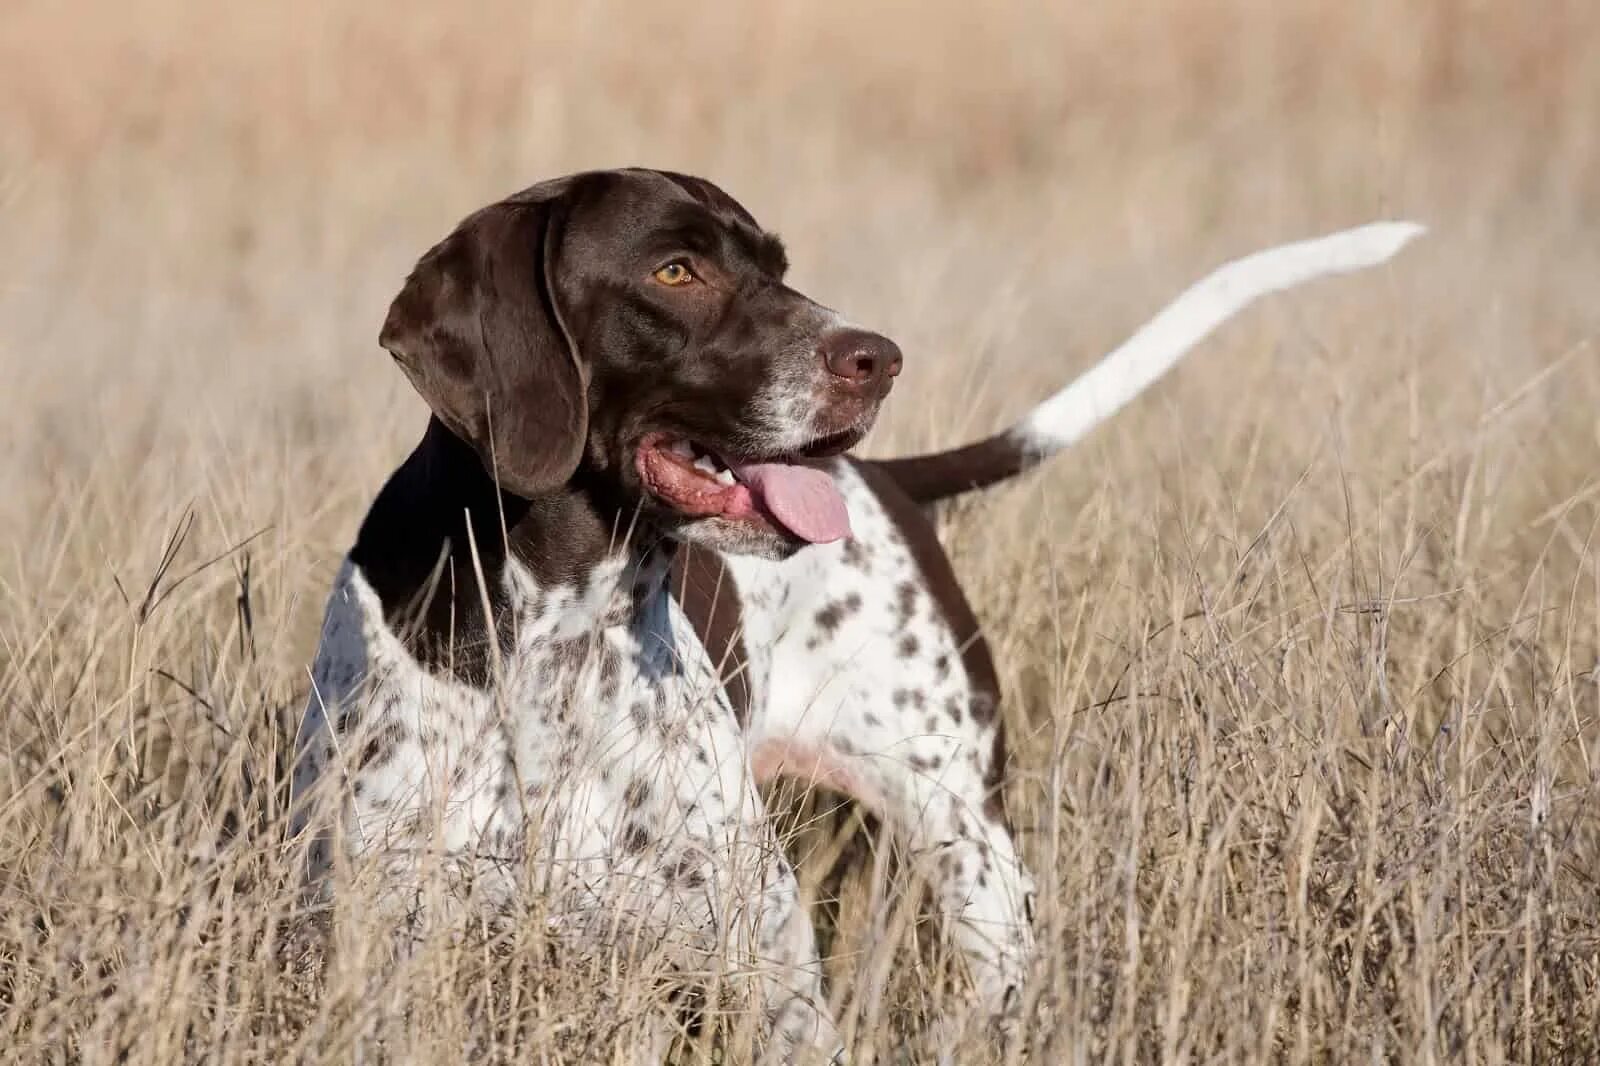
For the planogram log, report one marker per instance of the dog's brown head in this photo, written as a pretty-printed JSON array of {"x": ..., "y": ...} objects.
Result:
[{"x": 632, "y": 329}]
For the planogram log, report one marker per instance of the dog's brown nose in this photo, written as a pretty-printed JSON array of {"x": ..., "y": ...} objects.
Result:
[{"x": 861, "y": 358}]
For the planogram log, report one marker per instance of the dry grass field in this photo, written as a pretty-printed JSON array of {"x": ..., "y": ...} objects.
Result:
[{"x": 1300, "y": 651}]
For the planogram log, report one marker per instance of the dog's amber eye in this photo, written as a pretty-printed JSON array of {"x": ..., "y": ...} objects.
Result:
[{"x": 675, "y": 273}]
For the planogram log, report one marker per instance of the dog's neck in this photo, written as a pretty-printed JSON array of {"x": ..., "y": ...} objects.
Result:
[{"x": 441, "y": 520}]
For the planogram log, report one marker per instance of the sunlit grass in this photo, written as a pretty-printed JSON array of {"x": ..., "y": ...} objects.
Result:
[{"x": 1300, "y": 652}]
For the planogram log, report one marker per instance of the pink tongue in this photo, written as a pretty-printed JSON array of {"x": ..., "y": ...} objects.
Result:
[{"x": 802, "y": 498}]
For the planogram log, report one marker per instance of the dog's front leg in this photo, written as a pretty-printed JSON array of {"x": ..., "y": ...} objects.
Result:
[
  {"x": 930, "y": 791},
  {"x": 784, "y": 949},
  {"x": 769, "y": 933},
  {"x": 708, "y": 843},
  {"x": 964, "y": 850}
]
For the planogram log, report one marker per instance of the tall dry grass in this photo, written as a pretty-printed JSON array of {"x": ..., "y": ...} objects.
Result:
[{"x": 1300, "y": 652}]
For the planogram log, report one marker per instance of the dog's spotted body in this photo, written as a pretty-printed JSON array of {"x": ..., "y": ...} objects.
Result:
[
  {"x": 605, "y": 767},
  {"x": 611, "y": 593}
]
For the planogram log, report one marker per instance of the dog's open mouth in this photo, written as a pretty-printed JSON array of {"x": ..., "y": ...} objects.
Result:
[{"x": 782, "y": 491}]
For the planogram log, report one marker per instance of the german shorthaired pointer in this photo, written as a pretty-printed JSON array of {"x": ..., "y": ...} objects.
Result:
[{"x": 630, "y": 574}]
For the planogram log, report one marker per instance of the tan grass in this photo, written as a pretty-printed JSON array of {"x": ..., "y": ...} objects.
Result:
[{"x": 1300, "y": 652}]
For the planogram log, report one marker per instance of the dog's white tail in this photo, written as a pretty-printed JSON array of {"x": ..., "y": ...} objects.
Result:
[{"x": 1138, "y": 362}]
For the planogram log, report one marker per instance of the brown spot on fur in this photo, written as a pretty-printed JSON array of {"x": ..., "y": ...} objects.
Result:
[
  {"x": 635, "y": 838},
  {"x": 909, "y": 646},
  {"x": 382, "y": 745},
  {"x": 829, "y": 617},
  {"x": 856, "y": 552},
  {"x": 610, "y": 679},
  {"x": 905, "y": 601},
  {"x": 910, "y": 697},
  {"x": 637, "y": 793}
]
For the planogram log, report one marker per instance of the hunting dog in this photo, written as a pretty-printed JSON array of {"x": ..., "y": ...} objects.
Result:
[{"x": 631, "y": 573}]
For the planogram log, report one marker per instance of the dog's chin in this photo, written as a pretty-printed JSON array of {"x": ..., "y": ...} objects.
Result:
[{"x": 737, "y": 536}]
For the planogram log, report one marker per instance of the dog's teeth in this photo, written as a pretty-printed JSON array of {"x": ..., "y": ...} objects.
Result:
[
  {"x": 705, "y": 464},
  {"x": 725, "y": 477},
  {"x": 681, "y": 447}
]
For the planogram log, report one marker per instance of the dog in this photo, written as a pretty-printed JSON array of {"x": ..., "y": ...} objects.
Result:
[{"x": 631, "y": 574}]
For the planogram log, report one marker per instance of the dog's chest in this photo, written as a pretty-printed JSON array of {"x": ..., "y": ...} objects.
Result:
[{"x": 605, "y": 732}]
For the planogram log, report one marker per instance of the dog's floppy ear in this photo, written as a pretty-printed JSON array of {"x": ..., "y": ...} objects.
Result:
[{"x": 478, "y": 331}]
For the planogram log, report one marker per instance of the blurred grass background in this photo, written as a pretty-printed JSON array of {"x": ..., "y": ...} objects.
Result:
[{"x": 1300, "y": 651}]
